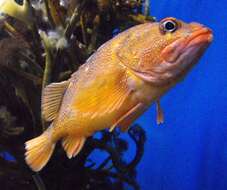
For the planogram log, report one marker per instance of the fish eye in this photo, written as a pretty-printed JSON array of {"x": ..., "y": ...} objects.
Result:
[{"x": 169, "y": 26}]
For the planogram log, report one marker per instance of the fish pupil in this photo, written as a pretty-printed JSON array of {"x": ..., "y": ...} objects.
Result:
[{"x": 170, "y": 26}]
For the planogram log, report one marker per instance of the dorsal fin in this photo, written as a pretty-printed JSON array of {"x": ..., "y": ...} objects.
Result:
[{"x": 52, "y": 98}]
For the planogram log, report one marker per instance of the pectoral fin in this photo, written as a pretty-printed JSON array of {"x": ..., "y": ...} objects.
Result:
[
  {"x": 102, "y": 97},
  {"x": 160, "y": 115},
  {"x": 128, "y": 118}
]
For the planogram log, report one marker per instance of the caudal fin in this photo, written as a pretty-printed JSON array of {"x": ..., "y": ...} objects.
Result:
[{"x": 38, "y": 151}]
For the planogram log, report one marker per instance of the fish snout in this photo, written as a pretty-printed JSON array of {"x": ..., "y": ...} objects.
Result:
[
  {"x": 200, "y": 36},
  {"x": 195, "y": 26}
]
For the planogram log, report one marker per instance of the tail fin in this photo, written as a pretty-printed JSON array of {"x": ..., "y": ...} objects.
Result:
[{"x": 38, "y": 151}]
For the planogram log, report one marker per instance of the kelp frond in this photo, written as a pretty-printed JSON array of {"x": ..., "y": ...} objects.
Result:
[{"x": 42, "y": 41}]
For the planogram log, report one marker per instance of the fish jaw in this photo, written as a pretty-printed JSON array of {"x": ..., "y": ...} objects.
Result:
[
  {"x": 178, "y": 57},
  {"x": 198, "y": 39}
]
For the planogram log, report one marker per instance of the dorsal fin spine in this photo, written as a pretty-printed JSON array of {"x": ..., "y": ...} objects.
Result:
[{"x": 51, "y": 99}]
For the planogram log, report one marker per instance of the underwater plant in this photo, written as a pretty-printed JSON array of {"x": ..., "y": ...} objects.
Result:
[{"x": 44, "y": 41}]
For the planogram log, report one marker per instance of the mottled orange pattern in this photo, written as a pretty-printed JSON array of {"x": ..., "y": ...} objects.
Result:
[{"x": 117, "y": 84}]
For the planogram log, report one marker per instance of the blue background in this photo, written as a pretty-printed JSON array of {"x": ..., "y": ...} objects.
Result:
[{"x": 189, "y": 151}]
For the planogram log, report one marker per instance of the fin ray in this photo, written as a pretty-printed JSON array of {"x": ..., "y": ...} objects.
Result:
[
  {"x": 73, "y": 145},
  {"x": 128, "y": 118},
  {"x": 52, "y": 98},
  {"x": 103, "y": 97},
  {"x": 38, "y": 151}
]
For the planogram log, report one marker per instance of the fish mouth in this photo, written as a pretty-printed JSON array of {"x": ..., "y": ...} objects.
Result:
[
  {"x": 202, "y": 36},
  {"x": 179, "y": 57}
]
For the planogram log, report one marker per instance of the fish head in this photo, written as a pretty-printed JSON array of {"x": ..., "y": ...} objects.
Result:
[{"x": 163, "y": 52}]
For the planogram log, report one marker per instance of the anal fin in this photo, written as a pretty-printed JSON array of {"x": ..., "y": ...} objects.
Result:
[{"x": 72, "y": 145}]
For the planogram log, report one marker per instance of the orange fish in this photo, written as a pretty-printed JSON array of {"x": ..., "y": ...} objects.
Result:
[{"x": 117, "y": 84}]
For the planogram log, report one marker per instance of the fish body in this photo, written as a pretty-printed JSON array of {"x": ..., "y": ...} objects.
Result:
[{"x": 117, "y": 84}]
